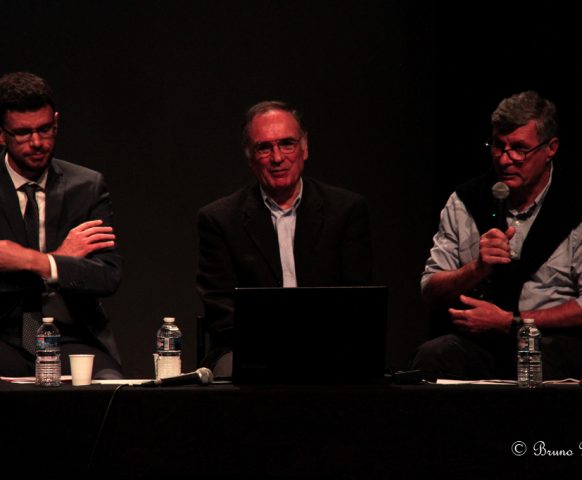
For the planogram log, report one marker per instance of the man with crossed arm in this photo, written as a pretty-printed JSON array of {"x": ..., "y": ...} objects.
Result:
[{"x": 58, "y": 253}]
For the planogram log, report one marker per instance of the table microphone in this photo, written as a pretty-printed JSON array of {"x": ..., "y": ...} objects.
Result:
[
  {"x": 500, "y": 192},
  {"x": 202, "y": 376}
]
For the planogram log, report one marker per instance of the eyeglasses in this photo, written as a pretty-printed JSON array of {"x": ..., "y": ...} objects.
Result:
[
  {"x": 518, "y": 155},
  {"x": 22, "y": 135},
  {"x": 285, "y": 146}
]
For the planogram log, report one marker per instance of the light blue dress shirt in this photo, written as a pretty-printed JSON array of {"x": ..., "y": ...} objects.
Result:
[
  {"x": 556, "y": 282},
  {"x": 284, "y": 222}
]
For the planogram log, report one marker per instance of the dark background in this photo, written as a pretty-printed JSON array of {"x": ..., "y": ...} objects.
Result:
[{"x": 396, "y": 96}]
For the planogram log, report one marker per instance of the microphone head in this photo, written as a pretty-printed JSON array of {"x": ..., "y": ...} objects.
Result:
[
  {"x": 500, "y": 191},
  {"x": 205, "y": 375}
]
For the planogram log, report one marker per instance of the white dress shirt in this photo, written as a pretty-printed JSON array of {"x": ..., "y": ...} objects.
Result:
[{"x": 18, "y": 181}]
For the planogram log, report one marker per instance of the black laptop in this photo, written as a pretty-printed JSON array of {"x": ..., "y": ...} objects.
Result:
[{"x": 310, "y": 335}]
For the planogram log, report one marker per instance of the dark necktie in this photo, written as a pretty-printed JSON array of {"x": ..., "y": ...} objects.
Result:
[
  {"x": 31, "y": 320},
  {"x": 31, "y": 215}
]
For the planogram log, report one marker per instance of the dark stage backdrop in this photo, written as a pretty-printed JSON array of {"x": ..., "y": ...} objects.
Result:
[{"x": 395, "y": 94}]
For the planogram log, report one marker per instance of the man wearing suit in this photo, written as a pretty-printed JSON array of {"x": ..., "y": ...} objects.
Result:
[
  {"x": 61, "y": 261},
  {"x": 284, "y": 231}
]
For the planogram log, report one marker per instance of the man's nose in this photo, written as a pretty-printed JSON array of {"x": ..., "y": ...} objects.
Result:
[
  {"x": 35, "y": 139},
  {"x": 505, "y": 159},
  {"x": 277, "y": 157}
]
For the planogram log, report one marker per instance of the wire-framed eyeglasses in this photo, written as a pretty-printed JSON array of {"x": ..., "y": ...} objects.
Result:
[
  {"x": 22, "y": 135},
  {"x": 518, "y": 155},
  {"x": 285, "y": 145}
]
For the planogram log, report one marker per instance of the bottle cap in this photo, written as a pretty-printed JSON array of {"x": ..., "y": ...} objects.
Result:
[
  {"x": 169, "y": 319},
  {"x": 47, "y": 319}
]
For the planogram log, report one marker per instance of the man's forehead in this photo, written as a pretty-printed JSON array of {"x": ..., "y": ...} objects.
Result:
[
  {"x": 524, "y": 132},
  {"x": 29, "y": 117},
  {"x": 274, "y": 121}
]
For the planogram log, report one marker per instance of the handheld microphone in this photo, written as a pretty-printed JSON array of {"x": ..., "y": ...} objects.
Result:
[
  {"x": 500, "y": 192},
  {"x": 202, "y": 376}
]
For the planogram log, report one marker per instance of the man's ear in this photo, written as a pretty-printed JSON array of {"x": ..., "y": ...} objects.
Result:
[
  {"x": 56, "y": 122},
  {"x": 553, "y": 146},
  {"x": 305, "y": 147}
]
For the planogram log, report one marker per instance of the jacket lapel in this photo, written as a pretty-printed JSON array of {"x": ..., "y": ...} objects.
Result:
[
  {"x": 308, "y": 227},
  {"x": 259, "y": 226},
  {"x": 55, "y": 192}
]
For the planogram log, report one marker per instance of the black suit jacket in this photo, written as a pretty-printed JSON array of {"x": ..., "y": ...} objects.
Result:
[
  {"x": 74, "y": 195},
  {"x": 239, "y": 248}
]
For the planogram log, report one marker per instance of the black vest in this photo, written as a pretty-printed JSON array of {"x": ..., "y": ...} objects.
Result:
[{"x": 560, "y": 213}]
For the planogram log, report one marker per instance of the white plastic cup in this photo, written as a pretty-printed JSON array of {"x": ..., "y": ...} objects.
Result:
[{"x": 81, "y": 368}]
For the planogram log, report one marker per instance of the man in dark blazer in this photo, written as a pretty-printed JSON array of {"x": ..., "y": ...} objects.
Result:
[
  {"x": 60, "y": 267},
  {"x": 286, "y": 230}
]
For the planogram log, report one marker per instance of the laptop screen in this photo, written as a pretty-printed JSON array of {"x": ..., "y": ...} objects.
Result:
[{"x": 310, "y": 335}]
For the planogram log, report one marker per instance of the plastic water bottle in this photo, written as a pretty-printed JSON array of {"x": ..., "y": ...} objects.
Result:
[
  {"x": 169, "y": 349},
  {"x": 529, "y": 355},
  {"x": 48, "y": 354}
]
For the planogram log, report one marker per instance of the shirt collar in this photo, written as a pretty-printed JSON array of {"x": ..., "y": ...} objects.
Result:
[
  {"x": 538, "y": 200},
  {"x": 273, "y": 206},
  {"x": 18, "y": 180}
]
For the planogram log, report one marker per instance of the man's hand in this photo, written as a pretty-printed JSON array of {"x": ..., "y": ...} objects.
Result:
[
  {"x": 85, "y": 239},
  {"x": 483, "y": 317},
  {"x": 494, "y": 248}
]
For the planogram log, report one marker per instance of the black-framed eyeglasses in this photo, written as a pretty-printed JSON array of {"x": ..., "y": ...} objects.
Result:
[
  {"x": 285, "y": 146},
  {"x": 518, "y": 155},
  {"x": 22, "y": 135}
]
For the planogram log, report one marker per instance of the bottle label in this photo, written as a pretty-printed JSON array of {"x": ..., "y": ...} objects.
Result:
[
  {"x": 522, "y": 344},
  {"x": 52, "y": 342},
  {"x": 169, "y": 344},
  {"x": 529, "y": 343}
]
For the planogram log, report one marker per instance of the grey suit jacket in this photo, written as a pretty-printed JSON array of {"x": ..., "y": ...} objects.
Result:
[
  {"x": 239, "y": 247},
  {"x": 74, "y": 194}
]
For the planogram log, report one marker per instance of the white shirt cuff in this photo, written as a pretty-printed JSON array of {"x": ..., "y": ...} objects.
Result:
[{"x": 54, "y": 271}]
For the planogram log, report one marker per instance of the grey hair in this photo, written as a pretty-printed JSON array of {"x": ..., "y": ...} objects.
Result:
[{"x": 515, "y": 111}]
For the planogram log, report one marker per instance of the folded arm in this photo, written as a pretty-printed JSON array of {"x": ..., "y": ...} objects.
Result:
[
  {"x": 16, "y": 258},
  {"x": 87, "y": 259}
]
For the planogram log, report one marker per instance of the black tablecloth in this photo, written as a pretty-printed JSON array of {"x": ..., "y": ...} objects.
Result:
[{"x": 223, "y": 431}]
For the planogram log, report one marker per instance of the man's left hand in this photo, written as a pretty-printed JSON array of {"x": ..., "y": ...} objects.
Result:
[{"x": 86, "y": 238}]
